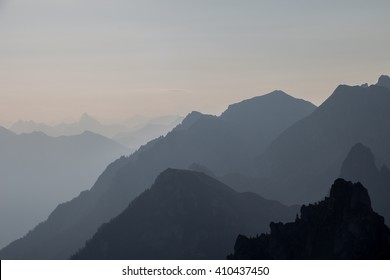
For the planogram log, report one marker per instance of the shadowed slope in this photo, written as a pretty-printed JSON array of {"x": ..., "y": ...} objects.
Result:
[
  {"x": 343, "y": 226},
  {"x": 305, "y": 158},
  {"x": 185, "y": 215}
]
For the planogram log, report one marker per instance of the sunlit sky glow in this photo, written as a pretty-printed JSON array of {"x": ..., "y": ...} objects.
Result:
[{"x": 118, "y": 58}]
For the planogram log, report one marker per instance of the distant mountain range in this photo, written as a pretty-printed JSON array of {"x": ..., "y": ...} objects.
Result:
[
  {"x": 275, "y": 145},
  {"x": 131, "y": 133},
  {"x": 185, "y": 215},
  {"x": 86, "y": 123},
  {"x": 37, "y": 172},
  {"x": 342, "y": 226},
  {"x": 221, "y": 144}
]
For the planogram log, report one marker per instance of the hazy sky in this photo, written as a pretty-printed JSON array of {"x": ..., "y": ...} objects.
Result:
[{"x": 118, "y": 58}]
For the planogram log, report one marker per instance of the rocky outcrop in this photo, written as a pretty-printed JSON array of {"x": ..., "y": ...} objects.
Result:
[{"x": 342, "y": 226}]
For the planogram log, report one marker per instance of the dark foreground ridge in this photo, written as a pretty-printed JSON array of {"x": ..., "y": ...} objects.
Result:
[
  {"x": 342, "y": 226},
  {"x": 184, "y": 215}
]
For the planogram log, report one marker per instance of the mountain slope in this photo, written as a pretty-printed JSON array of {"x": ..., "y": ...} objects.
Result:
[
  {"x": 136, "y": 138},
  {"x": 217, "y": 144},
  {"x": 37, "y": 172},
  {"x": 185, "y": 215},
  {"x": 360, "y": 166},
  {"x": 301, "y": 162},
  {"x": 343, "y": 226}
]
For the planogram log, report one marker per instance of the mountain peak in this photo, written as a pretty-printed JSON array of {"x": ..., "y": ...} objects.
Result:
[
  {"x": 184, "y": 215},
  {"x": 345, "y": 97},
  {"x": 86, "y": 119},
  {"x": 384, "y": 81},
  {"x": 274, "y": 96},
  {"x": 277, "y": 92},
  {"x": 172, "y": 180},
  {"x": 360, "y": 159},
  {"x": 359, "y": 164},
  {"x": 190, "y": 119},
  {"x": 277, "y": 105}
]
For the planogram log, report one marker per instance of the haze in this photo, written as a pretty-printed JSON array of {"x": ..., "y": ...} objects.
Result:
[{"x": 118, "y": 58}]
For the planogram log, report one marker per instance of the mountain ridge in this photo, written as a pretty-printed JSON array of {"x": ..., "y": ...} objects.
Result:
[
  {"x": 311, "y": 151},
  {"x": 216, "y": 144},
  {"x": 184, "y": 215}
]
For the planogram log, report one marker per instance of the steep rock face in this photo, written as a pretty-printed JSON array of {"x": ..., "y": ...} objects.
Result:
[
  {"x": 185, "y": 215},
  {"x": 342, "y": 226},
  {"x": 360, "y": 166}
]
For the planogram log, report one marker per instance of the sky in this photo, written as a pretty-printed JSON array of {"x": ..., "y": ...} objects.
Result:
[{"x": 118, "y": 58}]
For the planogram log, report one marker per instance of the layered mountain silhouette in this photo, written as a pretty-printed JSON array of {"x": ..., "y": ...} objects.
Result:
[
  {"x": 85, "y": 123},
  {"x": 37, "y": 172},
  {"x": 303, "y": 160},
  {"x": 276, "y": 145},
  {"x": 131, "y": 133},
  {"x": 185, "y": 215},
  {"x": 221, "y": 144},
  {"x": 342, "y": 226},
  {"x": 360, "y": 166}
]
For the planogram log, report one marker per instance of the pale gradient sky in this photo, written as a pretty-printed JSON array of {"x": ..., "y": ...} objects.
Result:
[{"x": 118, "y": 58}]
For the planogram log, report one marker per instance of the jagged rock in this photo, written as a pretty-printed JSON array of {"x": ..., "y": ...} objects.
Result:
[{"x": 342, "y": 226}]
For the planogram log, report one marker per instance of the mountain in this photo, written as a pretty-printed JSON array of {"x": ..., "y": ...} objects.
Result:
[
  {"x": 137, "y": 122},
  {"x": 85, "y": 123},
  {"x": 342, "y": 226},
  {"x": 131, "y": 133},
  {"x": 185, "y": 215},
  {"x": 37, "y": 172},
  {"x": 384, "y": 81},
  {"x": 360, "y": 166},
  {"x": 152, "y": 129},
  {"x": 217, "y": 143},
  {"x": 30, "y": 126},
  {"x": 303, "y": 160},
  {"x": 254, "y": 114}
]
